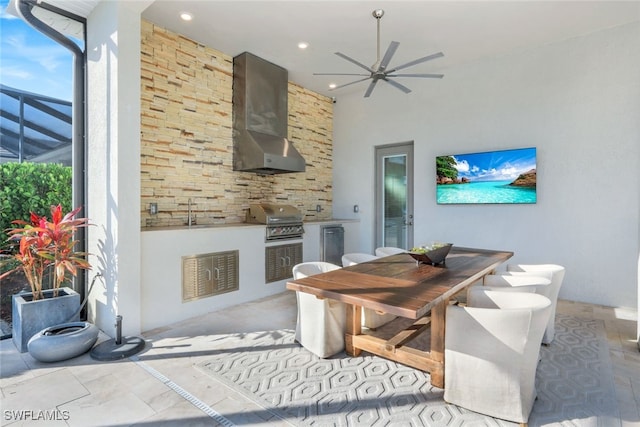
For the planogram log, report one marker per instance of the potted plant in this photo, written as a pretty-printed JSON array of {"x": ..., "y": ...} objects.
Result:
[{"x": 45, "y": 252}]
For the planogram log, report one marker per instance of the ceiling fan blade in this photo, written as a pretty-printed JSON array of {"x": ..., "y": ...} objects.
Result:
[
  {"x": 341, "y": 74},
  {"x": 417, "y": 61},
  {"x": 353, "y": 61},
  {"x": 398, "y": 85},
  {"x": 370, "y": 88},
  {"x": 433, "y": 76},
  {"x": 391, "y": 50},
  {"x": 348, "y": 84}
]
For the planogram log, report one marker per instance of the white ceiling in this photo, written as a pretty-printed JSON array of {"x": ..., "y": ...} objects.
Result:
[{"x": 463, "y": 30}]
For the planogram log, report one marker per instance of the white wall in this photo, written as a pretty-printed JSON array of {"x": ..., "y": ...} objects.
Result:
[
  {"x": 113, "y": 163},
  {"x": 577, "y": 101}
]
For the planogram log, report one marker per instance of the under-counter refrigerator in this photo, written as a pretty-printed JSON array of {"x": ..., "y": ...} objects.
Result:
[{"x": 332, "y": 243}]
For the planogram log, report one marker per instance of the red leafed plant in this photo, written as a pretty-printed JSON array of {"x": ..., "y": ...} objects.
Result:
[{"x": 47, "y": 247}]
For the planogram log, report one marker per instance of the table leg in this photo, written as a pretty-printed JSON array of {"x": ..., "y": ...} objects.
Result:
[
  {"x": 354, "y": 327},
  {"x": 437, "y": 342}
]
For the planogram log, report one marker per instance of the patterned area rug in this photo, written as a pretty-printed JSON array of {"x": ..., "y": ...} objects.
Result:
[{"x": 575, "y": 383}]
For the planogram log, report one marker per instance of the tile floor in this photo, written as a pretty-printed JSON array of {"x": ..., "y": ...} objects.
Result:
[{"x": 162, "y": 388}]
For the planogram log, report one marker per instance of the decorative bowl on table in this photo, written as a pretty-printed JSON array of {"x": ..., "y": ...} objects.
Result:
[{"x": 432, "y": 254}]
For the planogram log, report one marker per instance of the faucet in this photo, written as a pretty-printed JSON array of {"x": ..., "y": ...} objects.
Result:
[{"x": 190, "y": 220}]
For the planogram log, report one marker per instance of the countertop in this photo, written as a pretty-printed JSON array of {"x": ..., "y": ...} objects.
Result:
[{"x": 242, "y": 224}]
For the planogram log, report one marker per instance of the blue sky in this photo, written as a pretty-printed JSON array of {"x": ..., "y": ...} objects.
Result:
[
  {"x": 31, "y": 61},
  {"x": 495, "y": 165}
]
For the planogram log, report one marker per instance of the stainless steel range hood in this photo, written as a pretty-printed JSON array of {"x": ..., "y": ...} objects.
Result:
[{"x": 260, "y": 114}]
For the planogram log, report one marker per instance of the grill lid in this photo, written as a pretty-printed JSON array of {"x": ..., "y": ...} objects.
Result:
[{"x": 272, "y": 213}]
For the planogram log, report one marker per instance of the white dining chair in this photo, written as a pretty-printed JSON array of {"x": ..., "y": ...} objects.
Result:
[
  {"x": 356, "y": 258},
  {"x": 371, "y": 319},
  {"x": 388, "y": 250},
  {"x": 553, "y": 272},
  {"x": 321, "y": 323},
  {"x": 492, "y": 348},
  {"x": 511, "y": 283}
]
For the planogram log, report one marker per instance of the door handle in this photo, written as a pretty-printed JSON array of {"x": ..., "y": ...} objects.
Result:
[{"x": 410, "y": 222}]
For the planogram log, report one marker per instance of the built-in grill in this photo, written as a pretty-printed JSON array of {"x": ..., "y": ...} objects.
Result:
[{"x": 284, "y": 222}]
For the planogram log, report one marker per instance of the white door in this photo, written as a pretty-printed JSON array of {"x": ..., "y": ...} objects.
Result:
[{"x": 394, "y": 195}]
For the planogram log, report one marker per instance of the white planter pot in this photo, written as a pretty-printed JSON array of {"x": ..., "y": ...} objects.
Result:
[{"x": 30, "y": 317}]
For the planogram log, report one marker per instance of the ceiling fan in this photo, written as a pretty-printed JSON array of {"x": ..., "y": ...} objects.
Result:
[{"x": 379, "y": 71}]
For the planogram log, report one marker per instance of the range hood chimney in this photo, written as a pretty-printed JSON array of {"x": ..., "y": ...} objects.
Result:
[{"x": 260, "y": 115}]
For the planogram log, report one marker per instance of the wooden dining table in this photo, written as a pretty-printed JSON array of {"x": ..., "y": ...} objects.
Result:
[{"x": 399, "y": 285}]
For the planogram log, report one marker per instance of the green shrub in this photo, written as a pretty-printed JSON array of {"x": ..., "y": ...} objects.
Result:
[{"x": 32, "y": 187}]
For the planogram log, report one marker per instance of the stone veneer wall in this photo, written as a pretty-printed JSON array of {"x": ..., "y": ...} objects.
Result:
[{"x": 186, "y": 141}]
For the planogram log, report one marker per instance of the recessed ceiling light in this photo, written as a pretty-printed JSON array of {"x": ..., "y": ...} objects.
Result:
[
  {"x": 303, "y": 45},
  {"x": 332, "y": 86},
  {"x": 186, "y": 16}
]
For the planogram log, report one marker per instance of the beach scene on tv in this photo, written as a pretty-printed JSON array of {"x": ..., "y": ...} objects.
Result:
[{"x": 507, "y": 176}]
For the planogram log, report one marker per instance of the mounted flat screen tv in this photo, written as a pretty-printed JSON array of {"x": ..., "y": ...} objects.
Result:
[{"x": 506, "y": 176}]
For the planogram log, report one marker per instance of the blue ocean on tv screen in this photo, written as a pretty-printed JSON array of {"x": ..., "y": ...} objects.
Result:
[
  {"x": 503, "y": 176},
  {"x": 485, "y": 192}
]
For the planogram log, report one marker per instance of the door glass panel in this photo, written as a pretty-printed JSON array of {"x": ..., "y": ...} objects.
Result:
[{"x": 395, "y": 201}]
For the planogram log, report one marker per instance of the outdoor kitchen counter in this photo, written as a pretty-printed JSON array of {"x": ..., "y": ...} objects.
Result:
[
  {"x": 331, "y": 221},
  {"x": 200, "y": 226},
  {"x": 241, "y": 224},
  {"x": 163, "y": 248}
]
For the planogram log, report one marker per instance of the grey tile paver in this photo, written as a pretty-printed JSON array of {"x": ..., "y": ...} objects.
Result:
[
  {"x": 44, "y": 392},
  {"x": 122, "y": 408}
]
